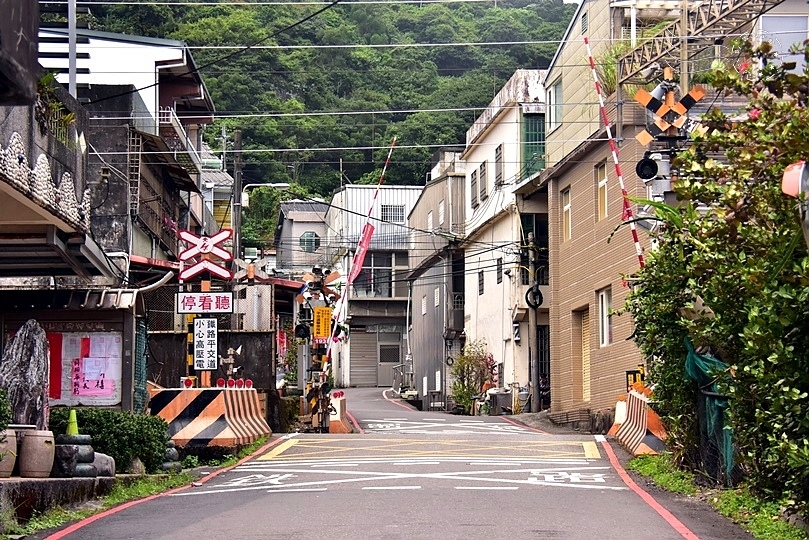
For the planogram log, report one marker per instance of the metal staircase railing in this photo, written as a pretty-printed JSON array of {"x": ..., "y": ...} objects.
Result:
[{"x": 706, "y": 23}]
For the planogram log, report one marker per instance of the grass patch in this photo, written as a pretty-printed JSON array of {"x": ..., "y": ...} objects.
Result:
[
  {"x": 764, "y": 520},
  {"x": 662, "y": 470}
]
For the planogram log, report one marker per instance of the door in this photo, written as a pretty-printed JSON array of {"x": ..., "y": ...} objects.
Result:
[{"x": 390, "y": 355}]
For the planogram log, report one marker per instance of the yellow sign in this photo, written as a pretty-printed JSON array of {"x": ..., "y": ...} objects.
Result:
[{"x": 322, "y": 324}]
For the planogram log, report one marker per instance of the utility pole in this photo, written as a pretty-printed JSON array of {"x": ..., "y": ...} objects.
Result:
[
  {"x": 237, "y": 194},
  {"x": 533, "y": 357}
]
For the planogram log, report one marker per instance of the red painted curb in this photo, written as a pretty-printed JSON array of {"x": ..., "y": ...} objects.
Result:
[
  {"x": 675, "y": 523},
  {"x": 95, "y": 517}
]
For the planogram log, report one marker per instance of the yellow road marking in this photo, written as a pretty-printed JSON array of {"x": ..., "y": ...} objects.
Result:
[
  {"x": 591, "y": 450},
  {"x": 278, "y": 450},
  {"x": 385, "y": 448}
]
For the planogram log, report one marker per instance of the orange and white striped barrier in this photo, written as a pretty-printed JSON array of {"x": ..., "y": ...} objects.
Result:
[
  {"x": 634, "y": 433},
  {"x": 210, "y": 416}
]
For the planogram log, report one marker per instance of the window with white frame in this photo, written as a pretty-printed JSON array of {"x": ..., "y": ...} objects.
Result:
[
  {"x": 605, "y": 317},
  {"x": 554, "y": 106},
  {"x": 430, "y": 220},
  {"x": 601, "y": 179},
  {"x": 424, "y": 305},
  {"x": 393, "y": 213},
  {"x": 567, "y": 219},
  {"x": 473, "y": 188},
  {"x": 441, "y": 212},
  {"x": 436, "y": 297},
  {"x": 483, "y": 181},
  {"x": 783, "y": 31}
]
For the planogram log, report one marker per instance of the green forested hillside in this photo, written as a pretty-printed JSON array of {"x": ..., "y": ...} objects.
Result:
[{"x": 408, "y": 70}]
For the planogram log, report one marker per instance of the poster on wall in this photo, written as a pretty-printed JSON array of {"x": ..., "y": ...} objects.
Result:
[{"x": 85, "y": 368}]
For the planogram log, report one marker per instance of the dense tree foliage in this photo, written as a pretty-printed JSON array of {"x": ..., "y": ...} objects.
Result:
[
  {"x": 735, "y": 242},
  {"x": 266, "y": 89}
]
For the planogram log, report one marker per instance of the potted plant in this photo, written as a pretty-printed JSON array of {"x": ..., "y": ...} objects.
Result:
[{"x": 8, "y": 437}]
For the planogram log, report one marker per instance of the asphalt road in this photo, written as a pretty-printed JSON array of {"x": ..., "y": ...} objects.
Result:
[{"x": 417, "y": 475}]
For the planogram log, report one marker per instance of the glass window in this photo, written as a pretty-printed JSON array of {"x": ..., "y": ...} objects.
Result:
[
  {"x": 393, "y": 213},
  {"x": 310, "y": 241},
  {"x": 567, "y": 220},
  {"x": 605, "y": 317},
  {"x": 480, "y": 282},
  {"x": 601, "y": 178},
  {"x": 533, "y": 144},
  {"x": 376, "y": 276},
  {"x": 554, "y": 106},
  {"x": 441, "y": 212}
]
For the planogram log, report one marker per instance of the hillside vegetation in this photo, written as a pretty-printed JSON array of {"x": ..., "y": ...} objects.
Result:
[{"x": 413, "y": 71}]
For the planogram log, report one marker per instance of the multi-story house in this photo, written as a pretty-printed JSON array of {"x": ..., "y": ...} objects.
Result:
[
  {"x": 505, "y": 147},
  {"x": 378, "y": 295},
  {"x": 590, "y": 263},
  {"x": 300, "y": 238},
  {"x": 437, "y": 279}
]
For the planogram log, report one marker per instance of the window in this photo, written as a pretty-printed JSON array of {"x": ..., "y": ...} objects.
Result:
[
  {"x": 498, "y": 165},
  {"x": 483, "y": 181},
  {"x": 567, "y": 220},
  {"x": 584, "y": 23},
  {"x": 473, "y": 188},
  {"x": 430, "y": 220},
  {"x": 500, "y": 270},
  {"x": 309, "y": 241},
  {"x": 376, "y": 276},
  {"x": 441, "y": 212},
  {"x": 605, "y": 317},
  {"x": 393, "y": 213},
  {"x": 480, "y": 283},
  {"x": 554, "y": 106},
  {"x": 533, "y": 143},
  {"x": 436, "y": 297},
  {"x": 783, "y": 31},
  {"x": 601, "y": 179},
  {"x": 424, "y": 305}
]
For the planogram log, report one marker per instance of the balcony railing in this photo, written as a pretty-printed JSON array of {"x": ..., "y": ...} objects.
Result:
[{"x": 173, "y": 132}]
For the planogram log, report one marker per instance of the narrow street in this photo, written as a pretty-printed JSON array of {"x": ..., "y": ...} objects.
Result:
[{"x": 417, "y": 475}]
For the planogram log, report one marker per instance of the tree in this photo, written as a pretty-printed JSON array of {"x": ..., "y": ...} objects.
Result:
[
  {"x": 470, "y": 370},
  {"x": 734, "y": 241}
]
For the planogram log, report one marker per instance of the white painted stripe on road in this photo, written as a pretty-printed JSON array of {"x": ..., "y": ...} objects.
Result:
[
  {"x": 336, "y": 464},
  {"x": 390, "y": 487},
  {"x": 294, "y": 490},
  {"x": 488, "y": 488},
  {"x": 471, "y": 421},
  {"x": 416, "y": 463},
  {"x": 601, "y": 438}
]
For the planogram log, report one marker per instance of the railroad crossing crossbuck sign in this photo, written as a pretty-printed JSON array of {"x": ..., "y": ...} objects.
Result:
[
  {"x": 205, "y": 247},
  {"x": 668, "y": 113}
]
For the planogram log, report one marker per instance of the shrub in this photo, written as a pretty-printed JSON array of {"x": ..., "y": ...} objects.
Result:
[
  {"x": 470, "y": 371},
  {"x": 289, "y": 412},
  {"x": 5, "y": 410},
  {"x": 122, "y": 435}
]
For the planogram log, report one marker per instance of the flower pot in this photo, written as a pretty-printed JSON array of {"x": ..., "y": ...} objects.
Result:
[
  {"x": 8, "y": 452},
  {"x": 36, "y": 454}
]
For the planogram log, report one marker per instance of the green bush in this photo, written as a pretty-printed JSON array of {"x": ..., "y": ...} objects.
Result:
[
  {"x": 289, "y": 412},
  {"x": 5, "y": 410},
  {"x": 122, "y": 435}
]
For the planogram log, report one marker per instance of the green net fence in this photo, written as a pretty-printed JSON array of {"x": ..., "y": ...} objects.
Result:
[{"x": 716, "y": 441}]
